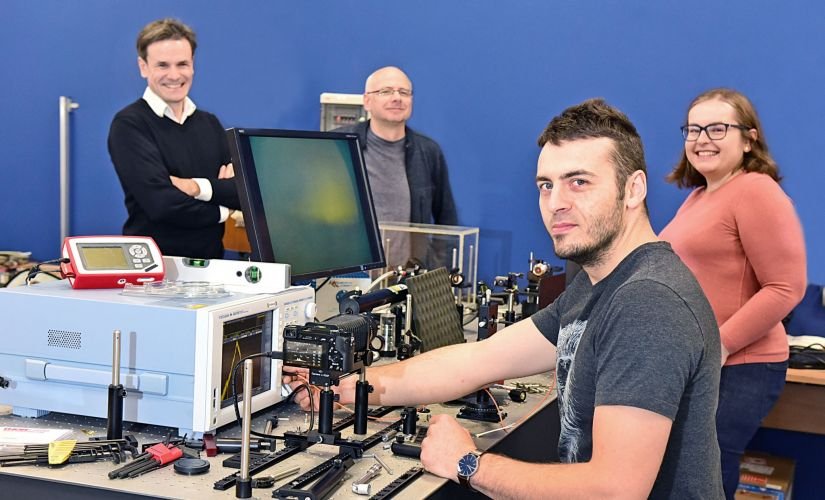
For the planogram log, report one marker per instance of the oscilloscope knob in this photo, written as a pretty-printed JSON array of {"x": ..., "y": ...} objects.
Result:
[{"x": 310, "y": 311}]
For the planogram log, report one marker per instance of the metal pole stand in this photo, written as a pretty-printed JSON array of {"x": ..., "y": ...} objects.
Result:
[
  {"x": 243, "y": 488},
  {"x": 114, "y": 420}
]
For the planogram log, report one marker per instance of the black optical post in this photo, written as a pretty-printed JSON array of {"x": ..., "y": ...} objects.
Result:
[
  {"x": 362, "y": 394},
  {"x": 325, "y": 412},
  {"x": 325, "y": 433}
]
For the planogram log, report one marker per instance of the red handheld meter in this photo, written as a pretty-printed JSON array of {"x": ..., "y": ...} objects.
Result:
[{"x": 111, "y": 261}]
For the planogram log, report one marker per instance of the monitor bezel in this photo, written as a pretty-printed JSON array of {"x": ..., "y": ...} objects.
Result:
[{"x": 249, "y": 192}]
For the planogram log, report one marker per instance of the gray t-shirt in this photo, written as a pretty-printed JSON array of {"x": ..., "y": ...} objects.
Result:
[
  {"x": 644, "y": 336},
  {"x": 387, "y": 173}
]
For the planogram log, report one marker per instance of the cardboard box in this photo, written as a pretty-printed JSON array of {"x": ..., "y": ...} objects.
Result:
[{"x": 763, "y": 476}]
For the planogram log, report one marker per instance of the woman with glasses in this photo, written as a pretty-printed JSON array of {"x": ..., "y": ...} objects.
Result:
[{"x": 740, "y": 235}]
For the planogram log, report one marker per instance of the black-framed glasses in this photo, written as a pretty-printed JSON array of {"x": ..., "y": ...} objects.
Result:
[
  {"x": 389, "y": 91},
  {"x": 714, "y": 131}
]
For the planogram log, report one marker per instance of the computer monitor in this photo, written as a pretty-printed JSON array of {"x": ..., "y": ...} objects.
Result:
[{"x": 306, "y": 201}]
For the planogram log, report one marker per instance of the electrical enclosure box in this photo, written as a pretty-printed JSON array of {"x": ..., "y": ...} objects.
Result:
[{"x": 339, "y": 110}]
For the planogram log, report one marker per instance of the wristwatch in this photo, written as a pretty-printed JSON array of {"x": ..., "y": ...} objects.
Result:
[{"x": 467, "y": 466}]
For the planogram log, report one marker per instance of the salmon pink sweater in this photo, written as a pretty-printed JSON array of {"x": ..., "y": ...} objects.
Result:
[{"x": 744, "y": 243}]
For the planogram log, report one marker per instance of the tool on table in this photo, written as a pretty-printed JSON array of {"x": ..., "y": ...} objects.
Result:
[
  {"x": 362, "y": 486},
  {"x": 327, "y": 475},
  {"x": 406, "y": 449},
  {"x": 234, "y": 445},
  {"x": 517, "y": 394},
  {"x": 380, "y": 462},
  {"x": 298, "y": 445},
  {"x": 269, "y": 481},
  {"x": 533, "y": 388},
  {"x": 398, "y": 484},
  {"x": 70, "y": 452},
  {"x": 153, "y": 458},
  {"x": 191, "y": 466}
]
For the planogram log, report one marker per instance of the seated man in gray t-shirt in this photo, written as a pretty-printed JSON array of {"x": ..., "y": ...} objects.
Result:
[{"x": 633, "y": 342}]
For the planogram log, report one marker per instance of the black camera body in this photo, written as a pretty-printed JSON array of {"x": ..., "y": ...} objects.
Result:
[{"x": 329, "y": 350}]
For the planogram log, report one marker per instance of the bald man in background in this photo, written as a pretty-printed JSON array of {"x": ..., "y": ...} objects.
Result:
[{"x": 407, "y": 170}]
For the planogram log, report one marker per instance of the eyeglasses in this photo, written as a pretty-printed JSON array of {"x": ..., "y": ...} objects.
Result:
[
  {"x": 389, "y": 91},
  {"x": 714, "y": 131}
]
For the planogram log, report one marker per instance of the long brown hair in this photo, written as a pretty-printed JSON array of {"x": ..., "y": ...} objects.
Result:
[{"x": 758, "y": 159}]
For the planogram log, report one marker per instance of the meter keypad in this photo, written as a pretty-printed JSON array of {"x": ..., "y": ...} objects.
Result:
[
  {"x": 140, "y": 255},
  {"x": 138, "y": 251}
]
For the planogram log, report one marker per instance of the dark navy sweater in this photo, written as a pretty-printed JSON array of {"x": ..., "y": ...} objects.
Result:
[{"x": 147, "y": 149}]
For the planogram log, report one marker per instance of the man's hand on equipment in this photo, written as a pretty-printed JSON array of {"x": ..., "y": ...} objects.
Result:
[
  {"x": 446, "y": 442},
  {"x": 296, "y": 377},
  {"x": 188, "y": 186},
  {"x": 226, "y": 171}
]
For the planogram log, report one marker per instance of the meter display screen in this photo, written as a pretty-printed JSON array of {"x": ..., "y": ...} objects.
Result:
[
  {"x": 103, "y": 257},
  {"x": 305, "y": 354}
]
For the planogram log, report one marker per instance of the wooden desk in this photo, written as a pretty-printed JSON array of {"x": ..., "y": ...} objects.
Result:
[
  {"x": 801, "y": 406},
  {"x": 815, "y": 377}
]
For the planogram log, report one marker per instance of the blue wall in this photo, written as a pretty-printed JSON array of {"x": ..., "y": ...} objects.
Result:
[{"x": 488, "y": 76}]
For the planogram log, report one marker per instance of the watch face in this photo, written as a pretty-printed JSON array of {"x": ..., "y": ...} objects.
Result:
[{"x": 468, "y": 465}]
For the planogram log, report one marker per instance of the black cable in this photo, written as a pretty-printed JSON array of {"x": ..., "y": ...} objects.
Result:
[
  {"x": 322, "y": 284},
  {"x": 35, "y": 270},
  {"x": 311, "y": 405},
  {"x": 816, "y": 346},
  {"x": 468, "y": 318},
  {"x": 807, "y": 357},
  {"x": 308, "y": 388},
  {"x": 232, "y": 383},
  {"x": 270, "y": 355}
]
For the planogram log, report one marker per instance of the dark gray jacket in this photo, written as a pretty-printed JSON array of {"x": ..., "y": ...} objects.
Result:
[{"x": 431, "y": 199}]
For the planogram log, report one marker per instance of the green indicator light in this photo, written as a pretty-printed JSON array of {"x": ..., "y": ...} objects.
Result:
[{"x": 253, "y": 274}]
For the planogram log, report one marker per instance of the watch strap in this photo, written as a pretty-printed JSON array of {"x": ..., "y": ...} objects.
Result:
[{"x": 465, "y": 480}]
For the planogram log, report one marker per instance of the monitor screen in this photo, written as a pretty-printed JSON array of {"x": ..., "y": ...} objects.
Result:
[{"x": 306, "y": 201}]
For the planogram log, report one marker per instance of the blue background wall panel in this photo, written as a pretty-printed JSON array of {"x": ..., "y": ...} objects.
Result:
[{"x": 488, "y": 76}]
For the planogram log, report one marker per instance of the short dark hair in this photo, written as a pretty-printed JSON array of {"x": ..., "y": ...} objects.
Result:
[
  {"x": 164, "y": 29},
  {"x": 595, "y": 119}
]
